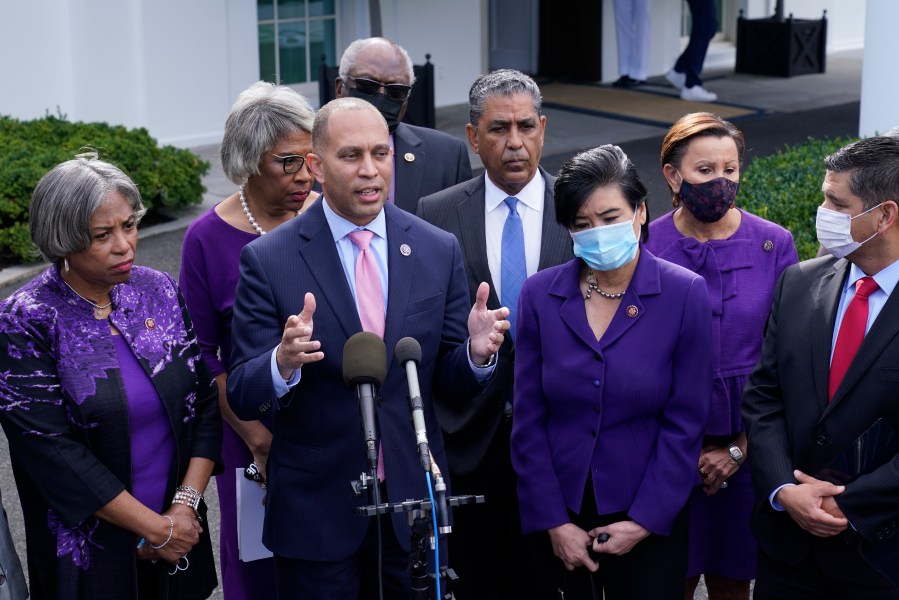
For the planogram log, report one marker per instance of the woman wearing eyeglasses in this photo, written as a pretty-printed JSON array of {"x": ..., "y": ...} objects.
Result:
[{"x": 267, "y": 137}]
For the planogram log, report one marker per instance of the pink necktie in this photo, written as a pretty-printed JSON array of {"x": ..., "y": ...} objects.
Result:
[
  {"x": 370, "y": 300},
  {"x": 369, "y": 296}
]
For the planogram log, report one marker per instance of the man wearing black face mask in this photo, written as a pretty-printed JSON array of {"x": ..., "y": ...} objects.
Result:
[
  {"x": 425, "y": 160},
  {"x": 826, "y": 388}
]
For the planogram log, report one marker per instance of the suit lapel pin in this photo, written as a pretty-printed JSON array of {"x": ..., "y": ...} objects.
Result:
[
  {"x": 768, "y": 246},
  {"x": 632, "y": 311},
  {"x": 405, "y": 250},
  {"x": 409, "y": 157},
  {"x": 150, "y": 323}
]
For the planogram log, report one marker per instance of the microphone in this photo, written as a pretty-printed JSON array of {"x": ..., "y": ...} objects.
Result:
[
  {"x": 365, "y": 366},
  {"x": 443, "y": 525},
  {"x": 408, "y": 353}
]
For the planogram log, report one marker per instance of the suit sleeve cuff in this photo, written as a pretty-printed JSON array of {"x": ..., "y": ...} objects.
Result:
[
  {"x": 771, "y": 498},
  {"x": 283, "y": 387},
  {"x": 482, "y": 373}
]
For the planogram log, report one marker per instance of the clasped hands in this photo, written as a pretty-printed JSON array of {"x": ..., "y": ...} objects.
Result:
[
  {"x": 715, "y": 467},
  {"x": 811, "y": 503},
  {"x": 486, "y": 330},
  {"x": 186, "y": 531},
  {"x": 570, "y": 542}
]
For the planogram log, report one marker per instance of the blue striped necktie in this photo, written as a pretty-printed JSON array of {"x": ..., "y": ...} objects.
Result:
[{"x": 513, "y": 270}]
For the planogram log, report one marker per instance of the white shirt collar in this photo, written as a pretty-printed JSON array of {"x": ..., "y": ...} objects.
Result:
[{"x": 531, "y": 195}]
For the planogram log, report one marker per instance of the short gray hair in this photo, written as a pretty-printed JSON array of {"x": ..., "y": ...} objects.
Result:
[
  {"x": 66, "y": 198},
  {"x": 263, "y": 114},
  {"x": 502, "y": 82},
  {"x": 351, "y": 56},
  {"x": 320, "y": 138}
]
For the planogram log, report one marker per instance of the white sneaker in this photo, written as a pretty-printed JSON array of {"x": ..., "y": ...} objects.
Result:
[
  {"x": 697, "y": 93},
  {"x": 676, "y": 79}
]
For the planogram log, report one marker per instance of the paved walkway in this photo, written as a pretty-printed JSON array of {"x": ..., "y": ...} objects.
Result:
[{"x": 791, "y": 110}]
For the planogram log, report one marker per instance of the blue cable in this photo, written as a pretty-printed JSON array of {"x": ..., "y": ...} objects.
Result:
[{"x": 436, "y": 536}]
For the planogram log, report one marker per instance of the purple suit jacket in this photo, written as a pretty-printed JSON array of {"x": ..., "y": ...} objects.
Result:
[{"x": 629, "y": 409}]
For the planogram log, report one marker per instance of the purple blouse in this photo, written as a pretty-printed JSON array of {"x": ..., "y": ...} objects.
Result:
[
  {"x": 211, "y": 253},
  {"x": 741, "y": 273},
  {"x": 152, "y": 444}
]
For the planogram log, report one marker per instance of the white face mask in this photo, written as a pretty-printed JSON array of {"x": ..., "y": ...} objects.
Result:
[{"x": 835, "y": 231}]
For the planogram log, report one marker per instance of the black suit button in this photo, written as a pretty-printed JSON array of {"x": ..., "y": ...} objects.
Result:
[
  {"x": 593, "y": 433},
  {"x": 597, "y": 408},
  {"x": 597, "y": 356},
  {"x": 823, "y": 440}
]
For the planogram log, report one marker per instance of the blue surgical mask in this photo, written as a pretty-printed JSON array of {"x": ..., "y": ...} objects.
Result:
[{"x": 608, "y": 247}]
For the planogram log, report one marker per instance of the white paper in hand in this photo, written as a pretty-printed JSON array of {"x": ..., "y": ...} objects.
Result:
[{"x": 250, "y": 516}]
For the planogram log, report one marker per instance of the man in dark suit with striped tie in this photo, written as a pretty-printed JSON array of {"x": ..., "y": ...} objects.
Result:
[
  {"x": 829, "y": 371},
  {"x": 505, "y": 221}
]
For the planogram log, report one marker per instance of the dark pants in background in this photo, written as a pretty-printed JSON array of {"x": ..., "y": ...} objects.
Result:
[{"x": 705, "y": 25}]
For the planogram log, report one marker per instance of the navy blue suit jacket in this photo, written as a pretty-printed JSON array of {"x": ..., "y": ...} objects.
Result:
[
  {"x": 427, "y": 161},
  {"x": 318, "y": 445}
]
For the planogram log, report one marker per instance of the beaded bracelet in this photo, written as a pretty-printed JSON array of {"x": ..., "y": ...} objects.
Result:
[
  {"x": 168, "y": 539},
  {"x": 188, "y": 496}
]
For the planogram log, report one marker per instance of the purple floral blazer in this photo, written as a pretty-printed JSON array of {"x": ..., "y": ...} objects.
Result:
[{"x": 64, "y": 410}]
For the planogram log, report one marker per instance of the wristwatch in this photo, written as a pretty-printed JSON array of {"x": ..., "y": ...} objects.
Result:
[{"x": 736, "y": 454}]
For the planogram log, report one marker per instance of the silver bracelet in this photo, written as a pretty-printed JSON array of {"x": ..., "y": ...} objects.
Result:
[
  {"x": 168, "y": 539},
  {"x": 188, "y": 496}
]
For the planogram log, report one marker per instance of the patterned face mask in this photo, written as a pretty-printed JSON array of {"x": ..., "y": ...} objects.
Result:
[{"x": 708, "y": 201}]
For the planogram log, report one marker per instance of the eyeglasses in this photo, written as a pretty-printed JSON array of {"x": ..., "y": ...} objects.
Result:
[
  {"x": 292, "y": 163},
  {"x": 396, "y": 91}
]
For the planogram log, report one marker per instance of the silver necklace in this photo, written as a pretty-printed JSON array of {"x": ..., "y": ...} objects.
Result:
[
  {"x": 246, "y": 211},
  {"x": 592, "y": 287},
  {"x": 98, "y": 310}
]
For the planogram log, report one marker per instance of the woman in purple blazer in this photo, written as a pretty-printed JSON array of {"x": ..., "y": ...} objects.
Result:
[{"x": 612, "y": 387}]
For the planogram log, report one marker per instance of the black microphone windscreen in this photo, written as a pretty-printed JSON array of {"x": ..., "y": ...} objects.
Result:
[
  {"x": 364, "y": 359},
  {"x": 408, "y": 349}
]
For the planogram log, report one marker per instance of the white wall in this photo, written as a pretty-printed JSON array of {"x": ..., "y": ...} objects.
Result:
[
  {"x": 36, "y": 59},
  {"x": 880, "y": 87},
  {"x": 451, "y": 31}
]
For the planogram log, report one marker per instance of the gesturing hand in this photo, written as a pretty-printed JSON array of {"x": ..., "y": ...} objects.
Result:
[
  {"x": 486, "y": 327},
  {"x": 811, "y": 505},
  {"x": 297, "y": 346}
]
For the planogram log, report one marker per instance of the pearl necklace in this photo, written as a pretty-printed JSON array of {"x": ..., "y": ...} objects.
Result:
[
  {"x": 98, "y": 310},
  {"x": 246, "y": 211},
  {"x": 592, "y": 287}
]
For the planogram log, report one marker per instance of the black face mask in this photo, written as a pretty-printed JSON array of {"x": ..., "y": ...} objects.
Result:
[{"x": 388, "y": 107}]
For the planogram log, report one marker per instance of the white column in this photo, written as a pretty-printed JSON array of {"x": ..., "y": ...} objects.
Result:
[{"x": 880, "y": 85}]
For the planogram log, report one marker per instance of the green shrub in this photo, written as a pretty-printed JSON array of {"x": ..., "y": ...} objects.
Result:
[
  {"x": 785, "y": 188},
  {"x": 167, "y": 177}
]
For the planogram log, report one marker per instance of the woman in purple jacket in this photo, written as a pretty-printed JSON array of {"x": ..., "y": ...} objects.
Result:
[
  {"x": 741, "y": 257},
  {"x": 109, "y": 410},
  {"x": 612, "y": 383}
]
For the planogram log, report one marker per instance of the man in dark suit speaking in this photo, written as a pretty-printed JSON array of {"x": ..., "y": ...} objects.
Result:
[
  {"x": 425, "y": 160},
  {"x": 349, "y": 264},
  {"x": 501, "y": 245},
  {"x": 829, "y": 371}
]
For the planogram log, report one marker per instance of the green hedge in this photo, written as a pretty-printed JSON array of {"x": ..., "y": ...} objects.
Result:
[
  {"x": 785, "y": 188},
  {"x": 167, "y": 177}
]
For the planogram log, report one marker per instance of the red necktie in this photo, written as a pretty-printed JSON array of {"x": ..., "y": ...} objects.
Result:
[
  {"x": 370, "y": 299},
  {"x": 852, "y": 332}
]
